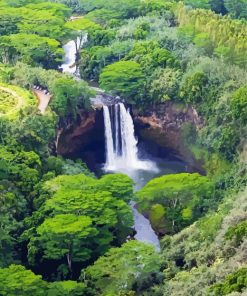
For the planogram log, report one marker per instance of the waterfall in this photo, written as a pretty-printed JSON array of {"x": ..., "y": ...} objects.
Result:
[
  {"x": 120, "y": 141},
  {"x": 122, "y": 156},
  {"x": 71, "y": 48},
  {"x": 129, "y": 142},
  {"x": 110, "y": 155},
  {"x": 116, "y": 130}
]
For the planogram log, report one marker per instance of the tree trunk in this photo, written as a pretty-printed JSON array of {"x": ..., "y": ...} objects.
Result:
[{"x": 69, "y": 261}]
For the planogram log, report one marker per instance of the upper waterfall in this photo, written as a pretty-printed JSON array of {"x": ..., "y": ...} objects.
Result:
[
  {"x": 120, "y": 141},
  {"x": 71, "y": 49}
]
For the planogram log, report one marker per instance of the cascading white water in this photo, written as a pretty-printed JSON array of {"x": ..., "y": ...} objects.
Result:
[
  {"x": 110, "y": 155},
  {"x": 117, "y": 146},
  {"x": 122, "y": 156},
  {"x": 71, "y": 48},
  {"x": 120, "y": 141},
  {"x": 129, "y": 142}
]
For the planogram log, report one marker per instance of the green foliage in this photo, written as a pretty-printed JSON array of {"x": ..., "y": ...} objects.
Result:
[
  {"x": 198, "y": 3},
  {"x": 157, "y": 217},
  {"x": 194, "y": 88},
  {"x": 157, "y": 6},
  {"x": 127, "y": 8},
  {"x": 100, "y": 201},
  {"x": 165, "y": 84},
  {"x": 200, "y": 256},
  {"x": 30, "y": 48},
  {"x": 239, "y": 105},
  {"x": 150, "y": 56},
  {"x": 67, "y": 288},
  {"x": 12, "y": 210},
  {"x": 234, "y": 282},
  {"x": 66, "y": 234},
  {"x": 45, "y": 19},
  {"x": 238, "y": 232},
  {"x": 23, "y": 168},
  {"x": 184, "y": 196},
  {"x": 94, "y": 59},
  {"x": 59, "y": 213},
  {"x": 69, "y": 95},
  {"x": 219, "y": 31},
  {"x": 124, "y": 78},
  {"x": 132, "y": 266},
  {"x": 120, "y": 186},
  {"x": 16, "y": 280},
  {"x": 82, "y": 24},
  {"x": 104, "y": 16},
  {"x": 237, "y": 9},
  {"x": 33, "y": 130},
  {"x": 13, "y": 99}
]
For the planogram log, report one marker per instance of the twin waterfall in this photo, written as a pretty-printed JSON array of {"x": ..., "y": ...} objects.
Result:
[
  {"x": 122, "y": 156},
  {"x": 121, "y": 144}
]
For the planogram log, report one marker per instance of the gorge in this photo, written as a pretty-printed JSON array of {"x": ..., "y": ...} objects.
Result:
[{"x": 123, "y": 148}]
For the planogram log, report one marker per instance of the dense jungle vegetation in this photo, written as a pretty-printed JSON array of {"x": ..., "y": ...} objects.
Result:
[{"x": 63, "y": 230}]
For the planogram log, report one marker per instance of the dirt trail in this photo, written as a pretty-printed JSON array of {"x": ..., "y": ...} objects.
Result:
[{"x": 43, "y": 99}]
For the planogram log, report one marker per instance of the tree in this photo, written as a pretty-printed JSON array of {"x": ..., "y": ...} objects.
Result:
[
  {"x": 194, "y": 88},
  {"x": 120, "y": 186},
  {"x": 102, "y": 201},
  {"x": 12, "y": 210},
  {"x": 164, "y": 85},
  {"x": 66, "y": 235},
  {"x": 198, "y": 3},
  {"x": 34, "y": 130},
  {"x": 221, "y": 31},
  {"x": 68, "y": 288},
  {"x": 23, "y": 168},
  {"x": 133, "y": 266},
  {"x": 44, "y": 19},
  {"x": 238, "y": 232},
  {"x": 124, "y": 78},
  {"x": 104, "y": 16},
  {"x": 234, "y": 282},
  {"x": 16, "y": 280},
  {"x": 237, "y": 8},
  {"x": 95, "y": 58},
  {"x": 180, "y": 197},
  {"x": 8, "y": 23},
  {"x": 69, "y": 95},
  {"x": 30, "y": 48},
  {"x": 218, "y": 6},
  {"x": 150, "y": 55},
  {"x": 239, "y": 104}
]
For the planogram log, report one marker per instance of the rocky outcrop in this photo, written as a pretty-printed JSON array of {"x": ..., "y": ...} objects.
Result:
[
  {"x": 161, "y": 126},
  {"x": 164, "y": 124},
  {"x": 76, "y": 135}
]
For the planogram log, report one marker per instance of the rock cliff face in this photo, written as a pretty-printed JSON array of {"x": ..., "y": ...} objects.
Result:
[
  {"x": 78, "y": 135},
  {"x": 164, "y": 124},
  {"x": 161, "y": 125}
]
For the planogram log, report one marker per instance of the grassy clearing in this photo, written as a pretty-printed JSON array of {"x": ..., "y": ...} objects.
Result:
[{"x": 13, "y": 99}]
